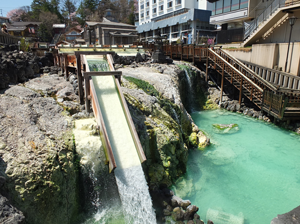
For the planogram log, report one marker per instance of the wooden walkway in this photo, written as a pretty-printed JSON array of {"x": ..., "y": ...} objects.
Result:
[{"x": 281, "y": 102}]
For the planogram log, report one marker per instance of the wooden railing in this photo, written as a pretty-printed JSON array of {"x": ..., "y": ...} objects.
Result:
[
  {"x": 8, "y": 39},
  {"x": 275, "y": 77}
]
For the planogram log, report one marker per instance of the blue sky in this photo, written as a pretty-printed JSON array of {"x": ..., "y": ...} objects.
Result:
[{"x": 7, "y": 5}]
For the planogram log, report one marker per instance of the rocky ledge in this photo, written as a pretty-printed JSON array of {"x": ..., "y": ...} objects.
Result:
[
  {"x": 164, "y": 126},
  {"x": 37, "y": 151}
]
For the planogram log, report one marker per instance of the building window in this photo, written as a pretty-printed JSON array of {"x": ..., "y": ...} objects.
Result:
[
  {"x": 226, "y": 5},
  {"x": 147, "y": 4},
  {"x": 244, "y": 4},
  {"x": 154, "y": 1},
  {"x": 175, "y": 28},
  {"x": 170, "y": 4},
  {"x": 142, "y": 15},
  {"x": 166, "y": 30},
  {"x": 142, "y": 6},
  {"x": 219, "y": 7},
  {"x": 178, "y": 2},
  {"x": 161, "y": 7},
  {"x": 235, "y": 4},
  {"x": 213, "y": 12},
  {"x": 154, "y": 10},
  {"x": 147, "y": 13}
]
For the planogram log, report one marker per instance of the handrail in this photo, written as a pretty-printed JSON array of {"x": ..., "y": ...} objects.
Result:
[
  {"x": 264, "y": 16},
  {"x": 272, "y": 87},
  {"x": 237, "y": 71}
]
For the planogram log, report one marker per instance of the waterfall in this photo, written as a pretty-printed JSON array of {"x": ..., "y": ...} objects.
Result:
[
  {"x": 190, "y": 93},
  {"x": 101, "y": 198},
  {"x": 135, "y": 197}
]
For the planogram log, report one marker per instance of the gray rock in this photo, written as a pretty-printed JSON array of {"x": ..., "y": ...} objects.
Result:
[
  {"x": 9, "y": 214},
  {"x": 177, "y": 214},
  {"x": 21, "y": 92}
]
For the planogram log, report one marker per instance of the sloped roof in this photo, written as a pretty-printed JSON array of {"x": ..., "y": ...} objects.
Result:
[{"x": 107, "y": 22}]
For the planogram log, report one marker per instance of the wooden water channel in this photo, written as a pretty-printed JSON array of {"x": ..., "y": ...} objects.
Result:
[{"x": 281, "y": 99}]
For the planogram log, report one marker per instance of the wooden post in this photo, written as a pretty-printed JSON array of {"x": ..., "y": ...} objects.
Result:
[
  {"x": 171, "y": 51},
  {"x": 222, "y": 83},
  {"x": 181, "y": 51},
  {"x": 87, "y": 93},
  {"x": 206, "y": 74},
  {"x": 66, "y": 66},
  {"x": 193, "y": 53},
  {"x": 79, "y": 78},
  {"x": 251, "y": 92},
  {"x": 241, "y": 91}
]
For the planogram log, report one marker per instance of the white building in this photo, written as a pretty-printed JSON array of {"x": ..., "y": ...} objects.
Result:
[{"x": 174, "y": 19}]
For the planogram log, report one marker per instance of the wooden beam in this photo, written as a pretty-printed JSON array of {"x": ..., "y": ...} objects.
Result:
[
  {"x": 87, "y": 93},
  {"x": 79, "y": 78},
  {"x": 222, "y": 83},
  {"x": 206, "y": 74}
]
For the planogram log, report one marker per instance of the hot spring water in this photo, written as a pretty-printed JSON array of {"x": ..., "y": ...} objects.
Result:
[{"x": 249, "y": 174}]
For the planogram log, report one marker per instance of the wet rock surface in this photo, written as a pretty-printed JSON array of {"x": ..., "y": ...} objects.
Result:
[
  {"x": 292, "y": 217},
  {"x": 173, "y": 208},
  {"x": 161, "y": 121}
]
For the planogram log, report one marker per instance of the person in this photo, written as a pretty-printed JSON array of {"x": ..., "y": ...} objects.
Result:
[{"x": 4, "y": 28}]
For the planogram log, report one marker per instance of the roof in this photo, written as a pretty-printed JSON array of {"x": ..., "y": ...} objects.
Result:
[
  {"x": 17, "y": 24},
  {"x": 190, "y": 15},
  {"x": 116, "y": 33},
  {"x": 123, "y": 29},
  {"x": 106, "y": 22},
  {"x": 59, "y": 26}
]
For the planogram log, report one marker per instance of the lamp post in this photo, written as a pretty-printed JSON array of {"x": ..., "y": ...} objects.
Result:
[{"x": 292, "y": 22}]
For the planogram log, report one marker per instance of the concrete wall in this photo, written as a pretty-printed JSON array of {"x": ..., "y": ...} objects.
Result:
[
  {"x": 242, "y": 55},
  {"x": 273, "y": 55},
  {"x": 264, "y": 55},
  {"x": 281, "y": 33}
]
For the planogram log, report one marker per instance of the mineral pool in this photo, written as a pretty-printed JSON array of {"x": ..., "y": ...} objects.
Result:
[{"x": 247, "y": 175}]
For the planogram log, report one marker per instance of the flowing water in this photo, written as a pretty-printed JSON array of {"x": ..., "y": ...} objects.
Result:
[
  {"x": 102, "y": 201},
  {"x": 190, "y": 93},
  {"x": 249, "y": 175},
  {"x": 130, "y": 179}
]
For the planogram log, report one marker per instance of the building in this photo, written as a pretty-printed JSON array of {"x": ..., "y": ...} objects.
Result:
[
  {"x": 174, "y": 19},
  {"x": 271, "y": 27},
  {"x": 241, "y": 19},
  {"x": 24, "y": 29},
  {"x": 73, "y": 34},
  {"x": 4, "y": 20},
  {"x": 109, "y": 31}
]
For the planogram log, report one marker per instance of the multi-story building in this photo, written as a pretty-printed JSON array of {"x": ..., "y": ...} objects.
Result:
[{"x": 175, "y": 19}]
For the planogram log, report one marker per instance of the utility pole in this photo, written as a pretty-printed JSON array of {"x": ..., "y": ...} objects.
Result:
[{"x": 1, "y": 12}]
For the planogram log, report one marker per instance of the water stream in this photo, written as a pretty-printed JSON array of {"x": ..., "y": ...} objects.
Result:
[
  {"x": 190, "y": 93},
  {"x": 249, "y": 175}
]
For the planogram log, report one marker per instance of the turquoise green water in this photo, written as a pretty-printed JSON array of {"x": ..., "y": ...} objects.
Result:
[{"x": 252, "y": 172}]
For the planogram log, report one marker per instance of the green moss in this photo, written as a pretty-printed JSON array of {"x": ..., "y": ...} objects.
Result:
[
  {"x": 224, "y": 126},
  {"x": 193, "y": 139},
  {"x": 145, "y": 86},
  {"x": 210, "y": 105}
]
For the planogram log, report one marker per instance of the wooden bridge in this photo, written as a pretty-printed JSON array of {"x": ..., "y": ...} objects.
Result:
[{"x": 277, "y": 98}]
